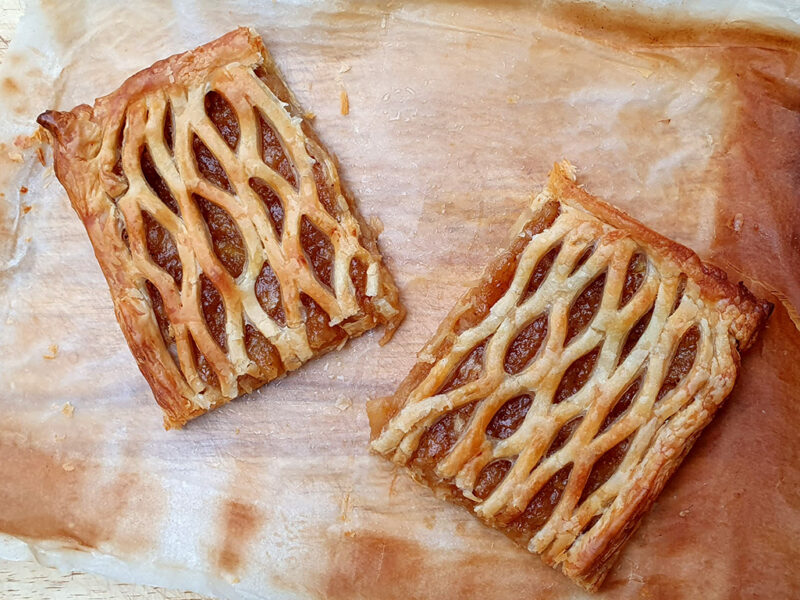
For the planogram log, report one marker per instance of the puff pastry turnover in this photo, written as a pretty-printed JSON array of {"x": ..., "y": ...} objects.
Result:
[
  {"x": 561, "y": 392},
  {"x": 230, "y": 248}
]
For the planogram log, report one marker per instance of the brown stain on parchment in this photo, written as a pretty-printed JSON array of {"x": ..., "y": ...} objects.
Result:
[
  {"x": 38, "y": 497},
  {"x": 9, "y": 86},
  {"x": 45, "y": 496},
  {"x": 239, "y": 518},
  {"x": 369, "y": 564},
  {"x": 757, "y": 234},
  {"x": 629, "y": 28},
  {"x": 240, "y": 522},
  {"x": 66, "y": 20},
  {"x": 758, "y": 225},
  {"x": 373, "y": 565}
]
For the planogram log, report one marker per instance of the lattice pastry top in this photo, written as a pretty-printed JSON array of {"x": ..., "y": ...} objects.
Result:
[
  {"x": 560, "y": 393},
  {"x": 230, "y": 248}
]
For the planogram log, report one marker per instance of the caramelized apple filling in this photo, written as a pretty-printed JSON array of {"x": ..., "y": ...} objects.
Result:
[
  {"x": 229, "y": 247},
  {"x": 440, "y": 438},
  {"x": 541, "y": 506},
  {"x": 510, "y": 416}
]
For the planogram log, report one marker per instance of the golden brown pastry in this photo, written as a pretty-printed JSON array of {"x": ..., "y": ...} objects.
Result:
[
  {"x": 230, "y": 248},
  {"x": 561, "y": 392}
]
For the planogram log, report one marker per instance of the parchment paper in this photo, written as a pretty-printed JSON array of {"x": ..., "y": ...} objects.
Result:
[{"x": 457, "y": 112}]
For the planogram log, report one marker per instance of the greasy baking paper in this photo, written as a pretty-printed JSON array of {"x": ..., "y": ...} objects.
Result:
[{"x": 456, "y": 113}]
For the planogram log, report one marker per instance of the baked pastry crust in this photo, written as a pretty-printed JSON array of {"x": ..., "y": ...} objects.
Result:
[
  {"x": 564, "y": 389},
  {"x": 231, "y": 251}
]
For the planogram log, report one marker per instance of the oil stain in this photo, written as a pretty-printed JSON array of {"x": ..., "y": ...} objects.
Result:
[
  {"x": 240, "y": 522},
  {"x": 53, "y": 498}
]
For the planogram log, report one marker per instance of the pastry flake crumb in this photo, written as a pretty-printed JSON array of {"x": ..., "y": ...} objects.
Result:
[
  {"x": 53, "y": 352},
  {"x": 344, "y": 68},
  {"x": 68, "y": 410},
  {"x": 68, "y": 466},
  {"x": 27, "y": 208},
  {"x": 375, "y": 224},
  {"x": 343, "y": 403},
  {"x": 345, "y": 102},
  {"x": 737, "y": 222},
  {"x": 23, "y": 190},
  {"x": 346, "y": 506}
]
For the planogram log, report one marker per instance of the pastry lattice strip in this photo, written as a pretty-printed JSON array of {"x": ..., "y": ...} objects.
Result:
[
  {"x": 231, "y": 251},
  {"x": 557, "y": 408}
]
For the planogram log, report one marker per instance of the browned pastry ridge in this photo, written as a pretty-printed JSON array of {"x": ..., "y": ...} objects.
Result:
[
  {"x": 562, "y": 391},
  {"x": 232, "y": 252}
]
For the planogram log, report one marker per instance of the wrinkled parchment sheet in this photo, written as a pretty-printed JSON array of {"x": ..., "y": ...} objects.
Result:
[{"x": 457, "y": 112}]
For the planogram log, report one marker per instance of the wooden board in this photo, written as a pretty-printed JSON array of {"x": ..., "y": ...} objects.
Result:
[{"x": 456, "y": 114}]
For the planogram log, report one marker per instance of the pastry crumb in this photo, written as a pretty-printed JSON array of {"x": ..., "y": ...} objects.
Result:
[
  {"x": 684, "y": 512},
  {"x": 68, "y": 466},
  {"x": 375, "y": 224},
  {"x": 344, "y": 68},
  {"x": 345, "y": 102},
  {"x": 27, "y": 208},
  {"x": 236, "y": 431},
  {"x": 343, "y": 403},
  {"x": 68, "y": 410},
  {"x": 23, "y": 190},
  {"x": 737, "y": 222},
  {"x": 345, "y": 507},
  {"x": 53, "y": 352},
  {"x": 513, "y": 99}
]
